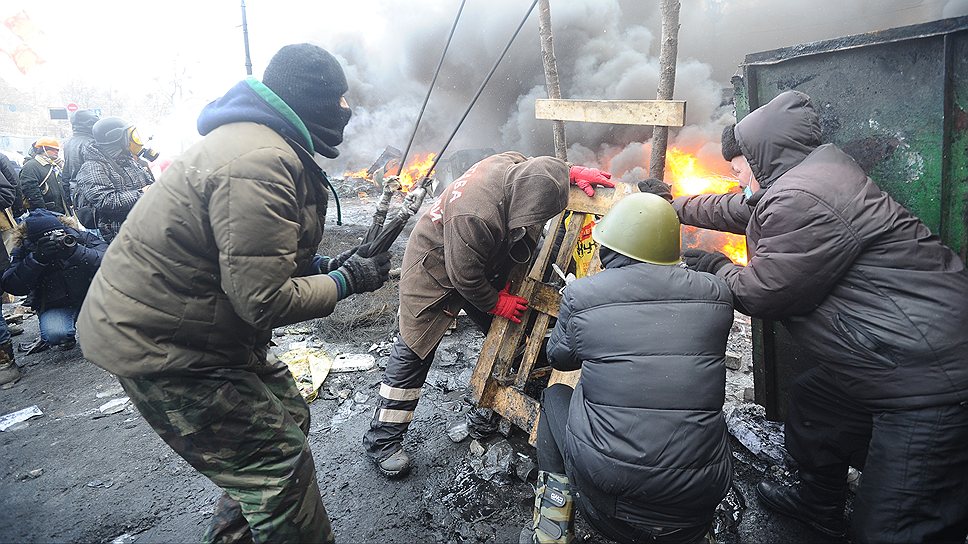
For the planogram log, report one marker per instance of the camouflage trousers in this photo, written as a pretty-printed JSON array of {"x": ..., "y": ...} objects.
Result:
[{"x": 246, "y": 431}]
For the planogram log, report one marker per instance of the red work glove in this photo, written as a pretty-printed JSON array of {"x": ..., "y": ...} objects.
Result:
[
  {"x": 509, "y": 306},
  {"x": 585, "y": 178}
]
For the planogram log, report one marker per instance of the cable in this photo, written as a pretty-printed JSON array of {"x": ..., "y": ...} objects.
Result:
[
  {"x": 479, "y": 91},
  {"x": 403, "y": 161}
]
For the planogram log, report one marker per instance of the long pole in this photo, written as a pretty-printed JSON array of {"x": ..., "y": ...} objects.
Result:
[
  {"x": 551, "y": 74},
  {"x": 245, "y": 40},
  {"x": 667, "y": 82}
]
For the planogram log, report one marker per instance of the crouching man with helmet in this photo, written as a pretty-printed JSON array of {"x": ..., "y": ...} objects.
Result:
[
  {"x": 640, "y": 444},
  {"x": 111, "y": 181}
]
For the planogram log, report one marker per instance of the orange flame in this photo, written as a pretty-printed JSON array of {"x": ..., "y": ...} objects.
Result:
[
  {"x": 415, "y": 170},
  {"x": 359, "y": 174},
  {"x": 689, "y": 177}
]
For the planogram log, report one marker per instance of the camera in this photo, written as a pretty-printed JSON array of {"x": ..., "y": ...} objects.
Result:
[{"x": 63, "y": 239}]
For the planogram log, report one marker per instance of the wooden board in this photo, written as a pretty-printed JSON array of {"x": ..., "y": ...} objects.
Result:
[
  {"x": 666, "y": 113},
  {"x": 505, "y": 367}
]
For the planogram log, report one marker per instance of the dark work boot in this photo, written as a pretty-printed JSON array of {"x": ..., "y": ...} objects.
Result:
[
  {"x": 816, "y": 502},
  {"x": 9, "y": 372},
  {"x": 397, "y": 465}
]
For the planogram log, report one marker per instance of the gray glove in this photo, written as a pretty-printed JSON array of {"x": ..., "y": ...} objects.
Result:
[
  {"x": 334, "y": 263},
  {"x": 656, "y": 187},
  {"x": 362, "y": 274}
]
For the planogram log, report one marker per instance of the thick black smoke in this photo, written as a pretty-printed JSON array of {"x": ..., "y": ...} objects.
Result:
[{"x": 606, "y": 49}]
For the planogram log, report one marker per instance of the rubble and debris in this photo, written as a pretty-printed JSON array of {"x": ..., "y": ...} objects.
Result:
[
  {"x": 477, "y": 449},
  {"x": 763, "y": 438},
  {"x": 360, "y": 397},
  {"x": 481, "y": 423},
  {"x": 353, "y": 362},
  {"x": 9, "y": 420},
  {"x": 495, "y": 461},
  {"x": 113, "y": 392},
  {"x": 458, "y": 433},
  {"x": 525, "y": 468},
  {"x": 100, "y": 483},
  {"x": 749, "y": 394},
  {"x": 30, "y": 474},
  {"x": 733, "y": 360},
  {"x": 309, "y": 367},
  {"x": 113, "y": 406},
  {"x": 124, "y": 538}
]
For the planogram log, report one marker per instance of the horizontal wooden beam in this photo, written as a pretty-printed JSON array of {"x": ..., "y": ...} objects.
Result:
[{"x": 665, "y": 113}]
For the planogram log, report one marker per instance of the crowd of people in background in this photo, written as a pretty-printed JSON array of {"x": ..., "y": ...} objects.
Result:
[{"x": 60, "y": 209}]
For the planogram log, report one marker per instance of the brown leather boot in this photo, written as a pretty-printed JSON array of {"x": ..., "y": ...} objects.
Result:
[{"x": 9, "y": 371}]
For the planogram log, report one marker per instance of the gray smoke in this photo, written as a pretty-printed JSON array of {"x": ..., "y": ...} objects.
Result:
[{"x": 606, "y": 49}]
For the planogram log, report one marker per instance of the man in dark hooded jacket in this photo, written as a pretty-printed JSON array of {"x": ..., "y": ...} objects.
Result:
[
  {"x": 458, "y": 257},
  {"x": 878, "y": 301},
  {"x": 214, "y": 256},
  {"x": 82, "y": 123},
  {"x": 641, "y": 440}
]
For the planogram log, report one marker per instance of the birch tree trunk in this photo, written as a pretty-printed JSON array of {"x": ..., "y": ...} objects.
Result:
[{"x": 667, "y": 82}]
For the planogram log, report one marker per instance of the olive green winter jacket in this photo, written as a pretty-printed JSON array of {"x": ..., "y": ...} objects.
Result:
[{"x": 210, "y": 259}]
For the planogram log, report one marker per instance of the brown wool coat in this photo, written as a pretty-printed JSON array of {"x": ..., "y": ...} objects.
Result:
[
  {"x": 210, "y": 260},
  {"x": 464, "y": 240}
]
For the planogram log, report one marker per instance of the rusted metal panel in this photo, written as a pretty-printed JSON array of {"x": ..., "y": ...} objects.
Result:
[
  {"x": 666, "y": 113},
  {"x": 896, "y": 101}
]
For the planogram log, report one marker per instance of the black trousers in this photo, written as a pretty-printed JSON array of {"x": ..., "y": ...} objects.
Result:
[
  {"x": 403, "y": 380},
  {"x": 555, "y": 403},
  {"x": 915, "y": 462}
]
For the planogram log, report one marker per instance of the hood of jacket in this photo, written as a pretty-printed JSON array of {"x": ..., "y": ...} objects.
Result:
[
  {"x": 779, "y": 135},
  {"x": 527, "y": 186},
  {"x": 251, "y": 101}
]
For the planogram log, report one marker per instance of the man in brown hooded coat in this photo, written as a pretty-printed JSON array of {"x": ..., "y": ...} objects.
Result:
[{"x": 459, "y": 257}]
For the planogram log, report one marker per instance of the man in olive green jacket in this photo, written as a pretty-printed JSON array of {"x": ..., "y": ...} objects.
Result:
[{"x": 218, "y": 253}]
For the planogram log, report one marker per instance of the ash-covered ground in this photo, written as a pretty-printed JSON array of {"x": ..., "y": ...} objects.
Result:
[{"x": 76, "y": 474}]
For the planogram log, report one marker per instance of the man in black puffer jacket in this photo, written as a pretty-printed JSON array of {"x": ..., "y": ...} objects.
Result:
[
  {"x": 878, "y": 301},
  {"x": 53, "y": 264},
  {"x": 642, "y": 437}
]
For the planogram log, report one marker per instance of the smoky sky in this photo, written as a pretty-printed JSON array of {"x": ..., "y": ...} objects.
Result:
[{"x": 605, "y": 49}]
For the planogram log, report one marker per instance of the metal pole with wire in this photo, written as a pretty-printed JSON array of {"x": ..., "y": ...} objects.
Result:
[
  {"x": 479, "y": 91},
  {"x": 245, "y": 40}
]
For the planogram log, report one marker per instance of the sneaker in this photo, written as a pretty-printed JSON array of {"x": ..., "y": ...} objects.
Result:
[
  {"x": 397, "y": 465},
  {"x": 15, "y": 330},
  {"x": 36, "y": 346},
  {"x": 67, "y": 346}
]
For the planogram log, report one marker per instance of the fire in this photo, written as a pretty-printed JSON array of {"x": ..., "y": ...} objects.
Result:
[
  {"x": 689, "y": 177},
  {"x": 415, "y": 170},
  {"x": 359, "y": 174}
]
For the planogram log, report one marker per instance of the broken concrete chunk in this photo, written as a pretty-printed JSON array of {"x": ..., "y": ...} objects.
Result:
[
  {"x": 476, "y": 448},
  {"x": 458, "y": 433},
  {"x": 9, "y": 420},
  {"x": 733, "y": 360},
  {"x": 30, "y": 475},
  {"x": 353, "y": 362},
  {"x": 113, "y": 406},
  {"x": 749, "y": 394},
  {"x": 360, "y": 397},
  {"x": 525, "y": 468},
  {"x": 763, "y": 438}
]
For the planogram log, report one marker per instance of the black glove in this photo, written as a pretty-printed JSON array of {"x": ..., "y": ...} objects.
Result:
[
  {"x": 705, "y": 261},
  {"x": 656, "y": 187},
  {"x": 47, "y": 250},
  {"x": 362, "y": 274}
]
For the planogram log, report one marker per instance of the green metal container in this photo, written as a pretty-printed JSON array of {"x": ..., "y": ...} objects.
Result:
[{"x": 895, "y": 100}]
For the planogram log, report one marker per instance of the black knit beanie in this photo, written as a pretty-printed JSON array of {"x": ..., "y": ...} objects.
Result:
[
  {"x": 311, "y": 82},
  {"x": 730, "y": 145}
]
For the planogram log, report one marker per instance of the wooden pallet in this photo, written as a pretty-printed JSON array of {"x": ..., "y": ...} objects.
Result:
[{"x": 505, "y": 367}]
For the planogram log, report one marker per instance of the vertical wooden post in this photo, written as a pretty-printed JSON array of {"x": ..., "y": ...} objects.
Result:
[
  {"x": 551, "y": 73},
  {"x": 667, "y": 82}
]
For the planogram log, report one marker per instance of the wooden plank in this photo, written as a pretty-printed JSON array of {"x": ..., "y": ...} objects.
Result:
[
  {"x": 513, "y": 404},
  {"x": 544, "y": 256},
  {"x": 665, "y": 113},
  {"x": 532, "y": 349},
  {"x": 568, "y": 378},
  {"x": 546, "y": 299}
]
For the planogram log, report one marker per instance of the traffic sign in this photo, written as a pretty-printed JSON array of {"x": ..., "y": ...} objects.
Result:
[{"x": 72, "y": 107}]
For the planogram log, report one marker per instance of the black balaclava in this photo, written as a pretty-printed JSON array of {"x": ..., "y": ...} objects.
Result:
[
  {"x": 311, "y": 82},
  {"x": 730, "y": 145}
]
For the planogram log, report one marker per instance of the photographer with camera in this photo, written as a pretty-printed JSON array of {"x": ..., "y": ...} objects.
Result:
[
  {"x": 53, "y": 264},
  {"x": 111, "y": 180}
]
